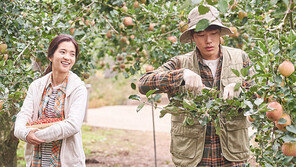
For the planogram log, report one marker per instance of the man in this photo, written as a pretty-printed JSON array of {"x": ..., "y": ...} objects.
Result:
[{"x": 209, "y": 65}]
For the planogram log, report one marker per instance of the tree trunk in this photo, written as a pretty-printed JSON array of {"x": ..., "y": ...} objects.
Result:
[{"x": 8, "y": 151}]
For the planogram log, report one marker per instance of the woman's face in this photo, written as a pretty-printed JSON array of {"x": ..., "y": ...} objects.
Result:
[{"x": 63, "y": 58}]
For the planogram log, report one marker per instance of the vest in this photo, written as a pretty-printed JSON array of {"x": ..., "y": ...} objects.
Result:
[{"x": 187, "y": 142}]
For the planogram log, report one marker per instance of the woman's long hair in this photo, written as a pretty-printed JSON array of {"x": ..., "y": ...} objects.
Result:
[{"x": 54, "y": 44}]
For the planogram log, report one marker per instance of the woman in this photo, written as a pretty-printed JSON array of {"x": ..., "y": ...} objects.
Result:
[{"x": 58, "y": 94}]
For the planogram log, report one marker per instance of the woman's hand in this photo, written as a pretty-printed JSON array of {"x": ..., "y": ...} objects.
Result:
[{"x": 32, "y": 139}]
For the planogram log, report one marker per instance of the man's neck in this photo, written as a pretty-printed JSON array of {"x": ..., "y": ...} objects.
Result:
[{"x": 214, "y": 57}]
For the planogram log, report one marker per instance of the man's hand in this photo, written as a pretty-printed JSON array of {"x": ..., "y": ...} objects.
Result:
[
  {"x": 229, "y": 92},
  {"x": 193, "y": 81},
  {"x": 32, "y": 139}
]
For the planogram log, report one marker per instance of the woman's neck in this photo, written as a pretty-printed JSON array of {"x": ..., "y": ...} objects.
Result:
[{"x": 58, "y": 78}]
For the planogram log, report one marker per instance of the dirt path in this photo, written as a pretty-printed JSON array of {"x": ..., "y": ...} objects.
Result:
[{"x": 130, "y": 148}]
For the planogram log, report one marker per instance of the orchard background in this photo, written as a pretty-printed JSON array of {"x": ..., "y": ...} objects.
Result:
[{"x": 137, "y": 34}]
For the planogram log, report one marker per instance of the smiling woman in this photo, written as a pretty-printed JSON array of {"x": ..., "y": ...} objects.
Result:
[{"x": 59, "y": 94}]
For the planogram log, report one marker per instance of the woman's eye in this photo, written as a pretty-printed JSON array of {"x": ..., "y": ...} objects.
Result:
[{"x": 63, "y": 52}]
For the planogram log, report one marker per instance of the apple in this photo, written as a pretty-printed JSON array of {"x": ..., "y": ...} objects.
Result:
[
  {"x": 121, "y": 26},
  {"x": 5, "y": 57},
  {"x": 122, "y": 66},
  {"x": 173, "y": 39},
  {"x": 3, "y": 47},
  {"x": 151, "y": 26},
  {"x": 149, "y": 68},
  {"x": 289, "y": 149},
  {"x": 136, "y": 4},
  {"x": 123, "y": 40},
  {"x": 87, "y": 22},
  {"x": 235, "y": 33},
  {"x": 282, "y": 127},
  {"x": 132, "y": 36},
  {"x": 183, "y": 26},
  {"x": 128, "y": 21},
  {"x": 276, "y": 113},
  {"x": 162, "y": 28},
  {"x": 109, "y": 34},
  {"x": 242, "y": 15},
  {"x": 72, "y": 30},
  {"x": 119, "y": 58},
  {"x": 250, "y": 118},
  {"x": 86, "y": 75},
  {"x": 143, "y": 1},
  {"x": 124, "y": 9},
  {"x": 1, "y": 104},
  {"x": 286, "y": 68}
]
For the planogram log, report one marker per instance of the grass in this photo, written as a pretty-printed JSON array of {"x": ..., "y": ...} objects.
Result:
[{"x": 109, "y": 91}]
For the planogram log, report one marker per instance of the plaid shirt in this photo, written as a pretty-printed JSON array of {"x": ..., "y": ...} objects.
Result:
[
  {"x": 58, "y": 111},
  {"x": 169, "y": 77}
]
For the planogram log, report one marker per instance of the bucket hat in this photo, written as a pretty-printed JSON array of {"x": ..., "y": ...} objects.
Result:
[{"x": 194, "y": 17}]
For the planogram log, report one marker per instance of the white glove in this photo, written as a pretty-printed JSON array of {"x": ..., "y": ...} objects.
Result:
[
  {"x": 229, "y": 92},
  {"x": 193, "y": 81}
]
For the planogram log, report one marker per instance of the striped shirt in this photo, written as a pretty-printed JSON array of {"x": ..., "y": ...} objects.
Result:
[
  {"x": 47, "y": 147},
  {"x": 51, "y": 106},
  {"x": 169, "y": 77}
]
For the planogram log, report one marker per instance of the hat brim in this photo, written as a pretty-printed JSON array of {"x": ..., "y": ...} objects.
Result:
[{"x": 186, "y": 35}]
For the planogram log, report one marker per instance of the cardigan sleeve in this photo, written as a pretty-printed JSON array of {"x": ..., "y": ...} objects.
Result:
[
  {"x": 72, "y": 124},
  {"x": 25, "y": 115}
]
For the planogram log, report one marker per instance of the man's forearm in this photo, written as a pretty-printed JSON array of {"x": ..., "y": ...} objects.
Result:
[{"x": 165, "y": 81}]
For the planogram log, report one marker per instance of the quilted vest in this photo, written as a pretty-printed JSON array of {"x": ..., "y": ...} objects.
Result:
[{"x": 187, "y": 142}]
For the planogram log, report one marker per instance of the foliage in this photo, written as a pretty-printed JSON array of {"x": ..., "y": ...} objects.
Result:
[{"x": 265, "y": 30}]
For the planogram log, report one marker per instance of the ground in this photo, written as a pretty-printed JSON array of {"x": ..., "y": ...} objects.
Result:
[{"x": 126, "y": 148}]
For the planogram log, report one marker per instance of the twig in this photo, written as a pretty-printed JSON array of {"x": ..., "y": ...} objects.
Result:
[
  {"x": 283, "y": 21},
  {"x": 110, "y": 24},
  {"x": 168, "y": 32},
  {"x": 22, "y": 51}
]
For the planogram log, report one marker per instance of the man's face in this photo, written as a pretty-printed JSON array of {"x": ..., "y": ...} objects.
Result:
[{"x": 207, "y": 42}]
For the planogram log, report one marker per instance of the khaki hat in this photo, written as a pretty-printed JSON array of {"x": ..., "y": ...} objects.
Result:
[{"x": 194, "y": 17}]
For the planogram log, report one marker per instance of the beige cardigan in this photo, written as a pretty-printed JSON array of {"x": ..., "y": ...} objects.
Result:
[{"x": 69, "y": 130}]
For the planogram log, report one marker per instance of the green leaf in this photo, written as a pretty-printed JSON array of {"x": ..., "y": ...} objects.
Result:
[
  {"x": 202, "y": 25},
  {"x": 223, "y": 6},
  {"x": 282, "y": 121},
  {"x": 133, "y": 86},
  {"x": 134, "y": 97},
  {"x": 237, "y": 86},
  {"x": 248, "y": 103},
  {"x": 236, "y": 72},
  {"x": 140, "y": 106},
  {"x": 258, "y": 101},
  {"x": 150, "y": 92},
  {"x": 162, "y": 113},
  {"x": 189, "y": 120},
  {"x": 291, "y": 128},
  {"x": 189, "y": 104},
  {"x": 210, "y": 2},
  {"x": 157, "y": 97},
  {"x": 202, "y": 9},
  {"x": 288, "y": 138}
]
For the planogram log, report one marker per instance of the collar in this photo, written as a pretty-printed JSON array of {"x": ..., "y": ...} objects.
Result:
[{"x": 62, "y": 86}]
